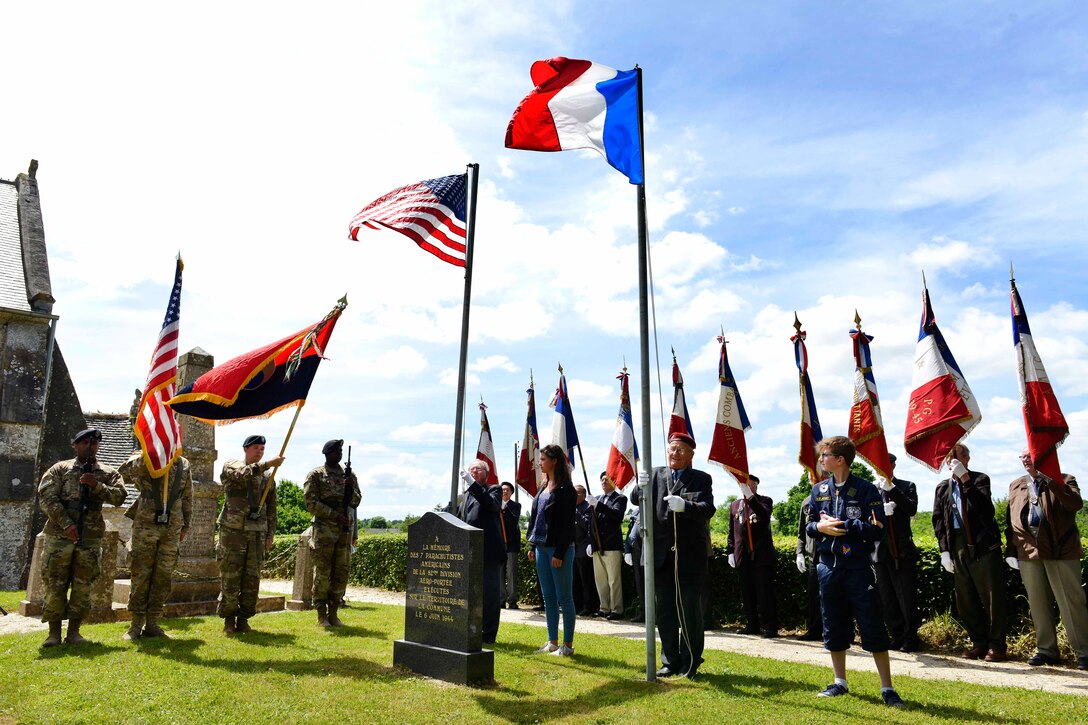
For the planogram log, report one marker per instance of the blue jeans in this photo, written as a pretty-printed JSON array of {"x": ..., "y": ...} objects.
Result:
[{"x": 557, "y": 587}]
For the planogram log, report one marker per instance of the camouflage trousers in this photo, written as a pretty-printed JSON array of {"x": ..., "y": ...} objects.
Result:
[
  {"x": 155, "y": 551},
  {"x": 58, "y": 571},
  {"x": 241, "y": 554},
  {"x": 331, "y": 558}
]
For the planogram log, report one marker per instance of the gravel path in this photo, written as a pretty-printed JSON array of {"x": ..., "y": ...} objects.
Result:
[{"x": 923, "y": 666}]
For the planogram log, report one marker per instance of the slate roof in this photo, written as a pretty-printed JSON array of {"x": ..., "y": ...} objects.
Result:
[
  {"x": 117, "y": 442},
  {"x": 12, "y": 274}
]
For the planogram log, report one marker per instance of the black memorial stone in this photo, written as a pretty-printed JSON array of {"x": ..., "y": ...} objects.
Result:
[{"x": 443, "y": 608}]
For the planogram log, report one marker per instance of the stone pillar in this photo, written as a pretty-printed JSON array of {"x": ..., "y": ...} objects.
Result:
[
  {"x": 303, "y": 588},
  {"x": 35, "y": 594}
]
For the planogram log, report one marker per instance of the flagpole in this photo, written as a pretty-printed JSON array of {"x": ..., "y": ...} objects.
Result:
[
  {"x": 647, "y": 507},
  {"x": 283, "y": 449},
  {"x": 517, "y": 456},
  {"x": 473, "y": 172}
]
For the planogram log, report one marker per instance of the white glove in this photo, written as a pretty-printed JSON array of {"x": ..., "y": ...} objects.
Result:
[
  {"x": 628, "y": 560},
  {"x": 643, "y": 478},
  {"x": 946, "y": 562},
  {"x": 889, "y": 508},
  {"x": 591, "y": 499},
  {"x": 675, "y": 503},
  {"x": 745, "y": 490},
  {"x": 958, "y": 469},
  {"x": 802, "y": 566},
  {"x": 885, "y": 484},
  {"x": 466, "y": 480},
  {"x": 732, "y": 561},
  {"x": 589, "y": 549},
  {"x": 1012, "y": 562},
  {"x": 504, "y": 504}
]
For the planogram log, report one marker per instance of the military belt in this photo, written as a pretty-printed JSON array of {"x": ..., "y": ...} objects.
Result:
[{"x": 73, "y": 507}]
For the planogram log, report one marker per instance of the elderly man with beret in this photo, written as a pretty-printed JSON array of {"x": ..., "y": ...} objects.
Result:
[
  {"x": 331, "y": 494},
  {"x": 246, "y": 527},
  {"x": 71, "y": 495}
]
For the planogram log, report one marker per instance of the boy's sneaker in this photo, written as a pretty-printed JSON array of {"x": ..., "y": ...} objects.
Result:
[
  {"x": 548, "y": 648},
  {"x": 563, "y": 651},
  {"x": 833, "y": 690},
  {"x": 892, "y": 698}
]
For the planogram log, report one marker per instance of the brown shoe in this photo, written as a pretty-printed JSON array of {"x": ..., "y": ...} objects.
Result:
[
  {"x": 73, "y": 636},
  {"x": 54, "y": 634},
  {"x": 153, "y": 629},
  {"x": 135, "y": 628},
  {"x": 243, "y": 626},
  {"x": 229, "y": 626},
  {"x": 995, "y": 656},
  {"x": 975, "y": 653}
]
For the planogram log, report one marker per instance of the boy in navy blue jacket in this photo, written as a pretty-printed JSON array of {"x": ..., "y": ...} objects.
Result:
[{"x": 846, "y": 520}]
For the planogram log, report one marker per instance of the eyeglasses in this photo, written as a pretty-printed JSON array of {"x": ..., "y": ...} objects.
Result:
[{"x": 829, "y": 455}]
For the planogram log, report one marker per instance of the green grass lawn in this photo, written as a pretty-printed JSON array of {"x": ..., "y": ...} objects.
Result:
[{"x": 290, "y": 671}]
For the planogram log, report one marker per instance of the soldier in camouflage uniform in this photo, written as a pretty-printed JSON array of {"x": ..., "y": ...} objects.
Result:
[
  {"x": 325, "y": 490},
  {"x": 70, "y": 556},
  {"x": 157, "y": 533},
  {"x": 245, "y": 531}
]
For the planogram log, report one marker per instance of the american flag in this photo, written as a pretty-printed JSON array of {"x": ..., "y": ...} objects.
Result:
[
  {"x": 156, "y": 428},
  {"x": 430, "y": 213}
]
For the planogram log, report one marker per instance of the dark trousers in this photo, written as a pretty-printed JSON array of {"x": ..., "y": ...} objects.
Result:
[
  {"x": 757, "y": 590},
  {"x": 679, "y": 620},
  {"x": 585, "y": 586},
  {"x": 814, "y": 618},
  {"x": 510, "y": 575},
  {"x": 899, "y": 599},
  {"x": 980, "y": 595},
  {"x": 492, "y": 600},
  {"x": 640, "y": 587}
]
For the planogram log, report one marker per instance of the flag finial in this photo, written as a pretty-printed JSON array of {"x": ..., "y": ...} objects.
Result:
[
  {"x": 1012, "y": 277},
  {"x": 796, "y": 322},
  {"x": 530, "y": 377},
  {"x": 560, "y": 368},
  {"x": 857, "y": 320},
  {"x": 923, "y": 279}
]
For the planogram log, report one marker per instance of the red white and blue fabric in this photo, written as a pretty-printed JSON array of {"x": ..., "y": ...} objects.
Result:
[
  {"x": 866, "y": 428},
  {"x": 811, "y": 433},
  {"x": 578, "y": 104},
  {"x": 528, "y": 475},
  {"x": 727, "y": 448},
  {"x": 485, "y": 450},
  {"x": 156, "y": 427},
  {"x": 623, "y": 454},
  {"x": 564, "y": 434},
  {"x": 1043, "y": 419},
  {"x": 942, "y": 409},
  {"x": 679, "y": 421},
  {"x": 430, "y": 213}
]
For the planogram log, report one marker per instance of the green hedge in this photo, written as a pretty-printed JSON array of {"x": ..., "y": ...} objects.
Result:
[{"x": 379, "y": 561}]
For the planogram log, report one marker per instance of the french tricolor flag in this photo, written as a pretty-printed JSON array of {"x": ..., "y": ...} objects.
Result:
[
  {"x": 623, "y": 455},
  {"x": 866, "y": 428},
  {"x": 578, "y": 104},
  {"x": 528, "y": 474},
  {"x": 485, "y": 451},
  {"x": 942, "y": 409},
  {"x": 811, "y": 434},
  {"x": 564, "y": 434},
  {"x": 727, "y": 448},
  {"x": 1043, "y": 418},
  {"x": 680, "y": 421}
]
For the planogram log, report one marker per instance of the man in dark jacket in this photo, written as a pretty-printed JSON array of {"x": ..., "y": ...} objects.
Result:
[
  {"x": 970, "y": 546},
  {"x": 608, "y": 510},
  {"x": 682, "y": 501},
  {"x": 585, "y": 585},
  {"x": 632, "y": 556},
  {"x": 806, "y": 564},
  {"x": 1043, "y": 542},
  {"x": 511, "y": 534},
  {"x": 481, "y": 507},
  {"x": 751, "y": 552},
  {"x": 896, "y": 563}
]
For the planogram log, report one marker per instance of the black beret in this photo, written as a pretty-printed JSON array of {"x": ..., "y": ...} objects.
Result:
[
  {"x": 892, "y": 456},
  {"x": 89, "y": 433},
  {"x": 679, "y": 436},
  {"x": 753, "y": 479},
  {"x": 332, "y": 445},
  {"x": 253, "y": 441}
]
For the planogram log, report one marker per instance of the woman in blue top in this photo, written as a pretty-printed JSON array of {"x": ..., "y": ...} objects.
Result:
[{"x": 551, "y": 539}]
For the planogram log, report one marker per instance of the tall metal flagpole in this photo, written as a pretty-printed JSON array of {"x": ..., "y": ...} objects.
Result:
[
  {"x": 646, "y": 503},
  {"x": 473, "y": 171}
]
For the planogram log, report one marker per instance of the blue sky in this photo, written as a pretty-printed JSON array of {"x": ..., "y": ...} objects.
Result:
[{"x": 800, "y": 156}]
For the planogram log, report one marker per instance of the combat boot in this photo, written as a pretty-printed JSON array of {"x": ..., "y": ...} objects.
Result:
[
  {"x": 323, "y": 615},
  {"x": 134, "y": 628},
  {"x": 54, "y": 634},
  {"x": 229, "y": 627},
  {"x": 73, "y": 636},
  {"x": 333, "y": 619},
  {"x": 153, "y": 629},
  {"x": 243, "y": 626}
]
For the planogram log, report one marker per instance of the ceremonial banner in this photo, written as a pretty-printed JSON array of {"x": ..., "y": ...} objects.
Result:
[
  {"x": 581, "y": 105},
  {"x": 430, "y": 213},
  {"x": 866, "y": 428},
  {"x": 679, "y": 421},
  {"x": 811, "y": 434},
  {"x": 485, "y": 451},
  {"x": 1043, "y": 419},
  {"x": 623, "y": 454},
  {"x": 942, "y": 409},
  {"x": 564, "y": 434},
  {"x": 156, "y": 428},
  {"x": 261, "y": 382},
  {"x": 727, "y": 449},
  {"x": 528, "y": 476}
]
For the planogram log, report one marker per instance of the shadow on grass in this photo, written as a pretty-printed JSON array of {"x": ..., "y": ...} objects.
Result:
[
  {"x": 349, "y": 630},
  {"x": 87, "y": 649}
]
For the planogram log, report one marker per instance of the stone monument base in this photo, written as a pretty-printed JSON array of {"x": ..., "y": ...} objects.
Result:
[{"x": 463, "y": 668}]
